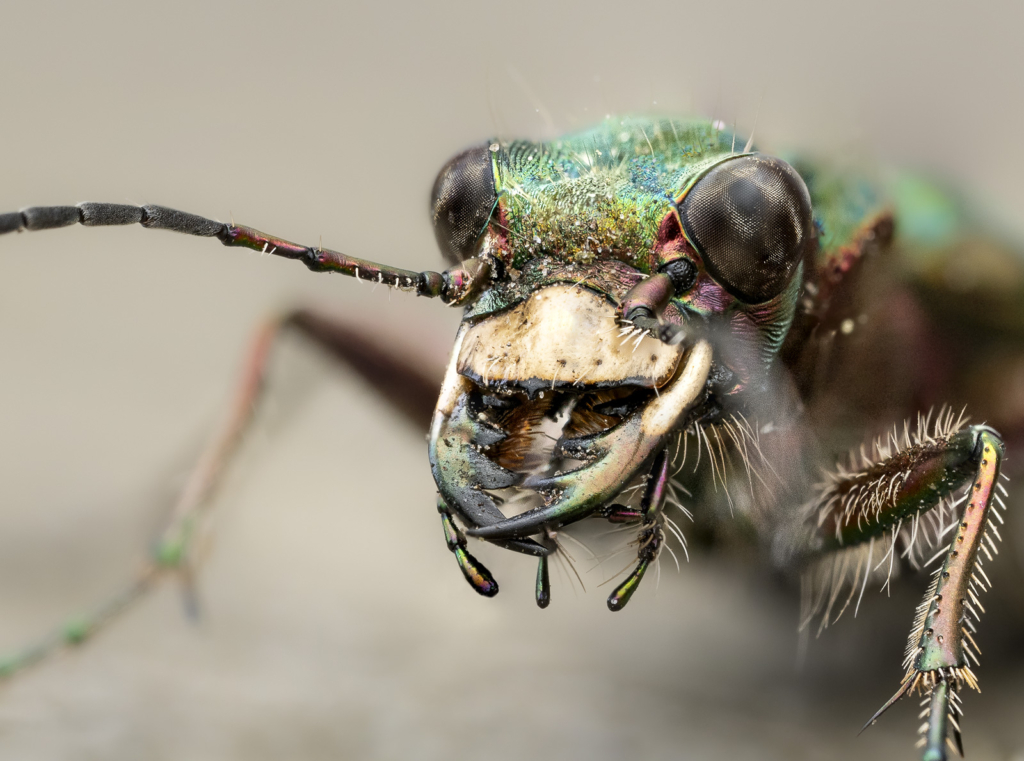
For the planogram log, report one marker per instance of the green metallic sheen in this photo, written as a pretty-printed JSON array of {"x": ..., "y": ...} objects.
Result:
[
  {"x": 476, "y": 574},
  {"x": 603, "y": 193},
  {"x": 452, "y": 536},
  {"x": 599, "y": 208},
  {"x": 617, "y": 600}
]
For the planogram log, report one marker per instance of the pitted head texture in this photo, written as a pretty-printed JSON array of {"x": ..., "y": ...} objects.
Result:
[
  {"x": 462, "y": 201},
  {"x": 749, "y": 218}
]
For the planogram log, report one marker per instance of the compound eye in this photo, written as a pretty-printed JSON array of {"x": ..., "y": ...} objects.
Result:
[
  {"x": 462, "y": 201},
  {"x": 749, "y": 218}
]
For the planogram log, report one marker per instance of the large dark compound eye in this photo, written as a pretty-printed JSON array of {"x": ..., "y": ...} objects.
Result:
[
  {"x": 462, "y": 202},
  {"x": 749, "y": 218}
]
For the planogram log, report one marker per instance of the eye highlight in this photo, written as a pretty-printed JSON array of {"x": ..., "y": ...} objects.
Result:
[
  {"x": 749, "y": 218},
  {"x": 462, "y": 201}
]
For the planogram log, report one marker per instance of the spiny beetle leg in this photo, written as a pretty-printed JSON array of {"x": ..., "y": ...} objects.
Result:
[
  {"x": 868, "y": 503},
  {"x": 941, "y": 643},
  {"x": 475, "y": 572},
  {"x": 651, "y": 535},
  {"x": 942, "y": 730}
]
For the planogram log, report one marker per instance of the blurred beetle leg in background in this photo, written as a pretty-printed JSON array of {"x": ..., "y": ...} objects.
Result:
[{"x": 382, "y": 363}]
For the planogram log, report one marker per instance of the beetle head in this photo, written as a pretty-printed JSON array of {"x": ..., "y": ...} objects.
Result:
[{"x": 619, "y": 310}]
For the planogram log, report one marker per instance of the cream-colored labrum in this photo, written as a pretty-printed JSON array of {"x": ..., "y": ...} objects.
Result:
[{"x": 563, "y": 334}]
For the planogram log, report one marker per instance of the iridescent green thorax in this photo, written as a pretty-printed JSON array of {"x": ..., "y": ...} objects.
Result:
[{"x": 602, "y": 194}]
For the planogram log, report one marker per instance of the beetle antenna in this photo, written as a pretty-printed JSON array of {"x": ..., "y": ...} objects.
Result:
[{"x": 456, "y": 286}]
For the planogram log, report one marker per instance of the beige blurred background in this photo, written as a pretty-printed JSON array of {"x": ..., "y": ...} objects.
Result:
[{"x": 335, "y": 624}]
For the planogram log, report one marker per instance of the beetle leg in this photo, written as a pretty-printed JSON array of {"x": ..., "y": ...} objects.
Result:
[
  {"x": 866, "y": 504},
  {"x": 652, "y": 530},
  {"x": 400, "y": 382}
]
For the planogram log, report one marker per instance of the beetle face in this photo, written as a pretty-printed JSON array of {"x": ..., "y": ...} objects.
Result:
[
  {"x": 556, "y": 357},
  {"x": 635, "y": 224}
]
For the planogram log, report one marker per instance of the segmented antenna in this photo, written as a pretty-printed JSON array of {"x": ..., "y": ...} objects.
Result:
[{"x": 455, "y": 286}]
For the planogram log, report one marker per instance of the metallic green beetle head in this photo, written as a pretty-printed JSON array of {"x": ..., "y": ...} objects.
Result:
[{"x": 615, "y": 273}]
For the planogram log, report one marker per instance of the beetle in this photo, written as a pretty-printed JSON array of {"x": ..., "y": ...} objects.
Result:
[{"x": 651, "y": 303}]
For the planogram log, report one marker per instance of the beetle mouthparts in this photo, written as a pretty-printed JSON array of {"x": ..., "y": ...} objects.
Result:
[
  {"x": 614, "y": 456},
  {"x": 559, "y": 358}
]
